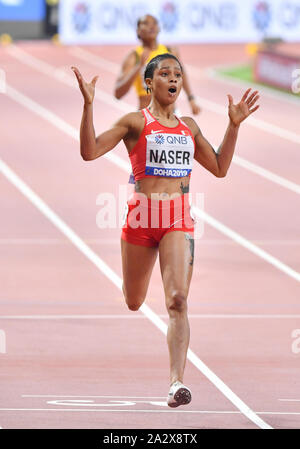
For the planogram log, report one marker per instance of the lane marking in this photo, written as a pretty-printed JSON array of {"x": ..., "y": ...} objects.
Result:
[
  {"x": 135, "y": 317},
  {"x": 267, "y": 174},
  {"x": 289, "y": 400},
  {"x": 60, "y": 75},
  {"x": 117, "y": 281},
  {"x": 95, "y": 60},
  {"x": 230, "y": 412},
  {"x": 56, "y": 121},
  {"x": 247, "y": 244},
  {"x": 88, "y": 396}
]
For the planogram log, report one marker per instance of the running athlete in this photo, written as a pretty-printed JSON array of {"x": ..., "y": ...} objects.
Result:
[
  {"x": 161, "y": 149},
  {"x": 132, "y": 72}
]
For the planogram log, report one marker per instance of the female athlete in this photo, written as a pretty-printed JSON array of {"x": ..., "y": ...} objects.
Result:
[
  {"x": 161, "y": 148},
  {"x": 132, "y": 72}
]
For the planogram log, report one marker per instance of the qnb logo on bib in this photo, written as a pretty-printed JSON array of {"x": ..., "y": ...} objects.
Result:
[{"x": 169, "y": 155}]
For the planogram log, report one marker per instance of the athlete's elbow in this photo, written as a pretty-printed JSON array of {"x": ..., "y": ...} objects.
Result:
[
  {"x": 86, "y": 155},
  {"x": 221, "y": 174},
  {"x": 118, "y": 93}
]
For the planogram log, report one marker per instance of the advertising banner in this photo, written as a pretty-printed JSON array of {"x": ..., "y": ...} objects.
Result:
[
  {"x": 188, "y": 21},
  {"x": 22, "y": 10},
  {"x": 275, "y": 69}
]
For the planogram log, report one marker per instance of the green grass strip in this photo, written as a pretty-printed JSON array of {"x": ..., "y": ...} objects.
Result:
[{"x": 244, "y": 73}]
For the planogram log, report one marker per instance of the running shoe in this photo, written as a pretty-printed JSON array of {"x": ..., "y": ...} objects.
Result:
[{"x": 179, "y": 394}]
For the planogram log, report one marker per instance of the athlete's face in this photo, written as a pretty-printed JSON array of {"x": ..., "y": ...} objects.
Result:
[
  {"x": 148, "y": 28},
  {"x": 167, "y": 81}
]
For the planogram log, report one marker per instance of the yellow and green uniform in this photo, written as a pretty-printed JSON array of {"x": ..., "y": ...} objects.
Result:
[{"x": 139, "y": 80}]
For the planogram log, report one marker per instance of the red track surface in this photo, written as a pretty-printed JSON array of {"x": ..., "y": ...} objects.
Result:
[{"x": 242, "y": 309}]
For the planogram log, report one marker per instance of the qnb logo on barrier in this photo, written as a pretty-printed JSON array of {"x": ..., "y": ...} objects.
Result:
[
  {"x": 296, "y": 82},
  {"x": 296, "y": 341},
  {"x": 2, "y": 342},
  {"x": 2, "y": 82},
  {"x": 262, "y": 15}
]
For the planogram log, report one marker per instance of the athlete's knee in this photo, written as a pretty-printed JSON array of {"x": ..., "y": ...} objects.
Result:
[{"x": 177, "y": 302}]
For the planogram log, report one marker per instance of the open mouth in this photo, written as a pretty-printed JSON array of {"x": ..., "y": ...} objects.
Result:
[{"x": 172, "y": 90}]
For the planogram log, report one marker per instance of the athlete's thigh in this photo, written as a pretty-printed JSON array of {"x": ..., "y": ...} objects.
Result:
[
  {"x": 176, "y": 257},
  {"x": 137, "y": 266}
]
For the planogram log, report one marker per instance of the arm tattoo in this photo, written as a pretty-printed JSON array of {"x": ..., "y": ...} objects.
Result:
[
  {"x": 137, "y": 186},
  {"x": 183, "y": 188},
  {"x": 192, "y": 246}
]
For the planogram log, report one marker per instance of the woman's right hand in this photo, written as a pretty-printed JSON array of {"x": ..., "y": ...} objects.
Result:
[{"x": 87, "y": 89}]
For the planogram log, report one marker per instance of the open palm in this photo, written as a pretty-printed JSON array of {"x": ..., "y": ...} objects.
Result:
[
  {"x": 240, "y": 111},
  {"x": 87, "y": 89}
]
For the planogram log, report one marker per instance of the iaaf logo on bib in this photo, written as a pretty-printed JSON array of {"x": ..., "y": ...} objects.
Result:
[{"x": 159, "y": 138}]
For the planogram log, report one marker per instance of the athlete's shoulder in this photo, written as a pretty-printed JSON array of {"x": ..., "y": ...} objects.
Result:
[
  {"x": 191, "y": 124},
  {"x": 164, "y": 48},
  {"x": 130, "y": 59},
  {"x": 134, "y": 121}
]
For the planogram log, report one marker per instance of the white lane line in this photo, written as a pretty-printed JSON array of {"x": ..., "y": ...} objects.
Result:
[
  {"x": 61, "y": 75},
  {"x": 135, "y": 317},
  {"x": 211, "y": 412},
  {"x": 88, "y": 396},
  {"x": 247, "y": 244},
  {"x": 117, "y": 281},
  {"x": 267, "y": 174},
  {"x": 251, "y": 121},
  {"x": 59, "y": 123},
  {"x": 56, "y": 121},
  {"x": 117, "y": 410},
  {"x": 95, "y": 60},
  {"x": 289, "y": 400}
]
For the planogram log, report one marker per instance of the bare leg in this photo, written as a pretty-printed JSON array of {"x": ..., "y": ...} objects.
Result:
[
  {"x": 137, "y": 266},
  {"x": 176, "y": 262}
]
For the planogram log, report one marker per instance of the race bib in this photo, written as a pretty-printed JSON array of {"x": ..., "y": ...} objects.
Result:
[{"x": 169, "y": 155}]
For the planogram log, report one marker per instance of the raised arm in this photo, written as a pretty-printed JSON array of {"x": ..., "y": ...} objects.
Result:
[
  {"x": 92, "y": 147},
  {"x": 130, "y": 69},
  {"x": 219, "y": 162}
]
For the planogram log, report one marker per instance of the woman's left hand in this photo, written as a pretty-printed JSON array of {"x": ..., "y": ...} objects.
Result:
[{"x": 238, "y": 112}]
